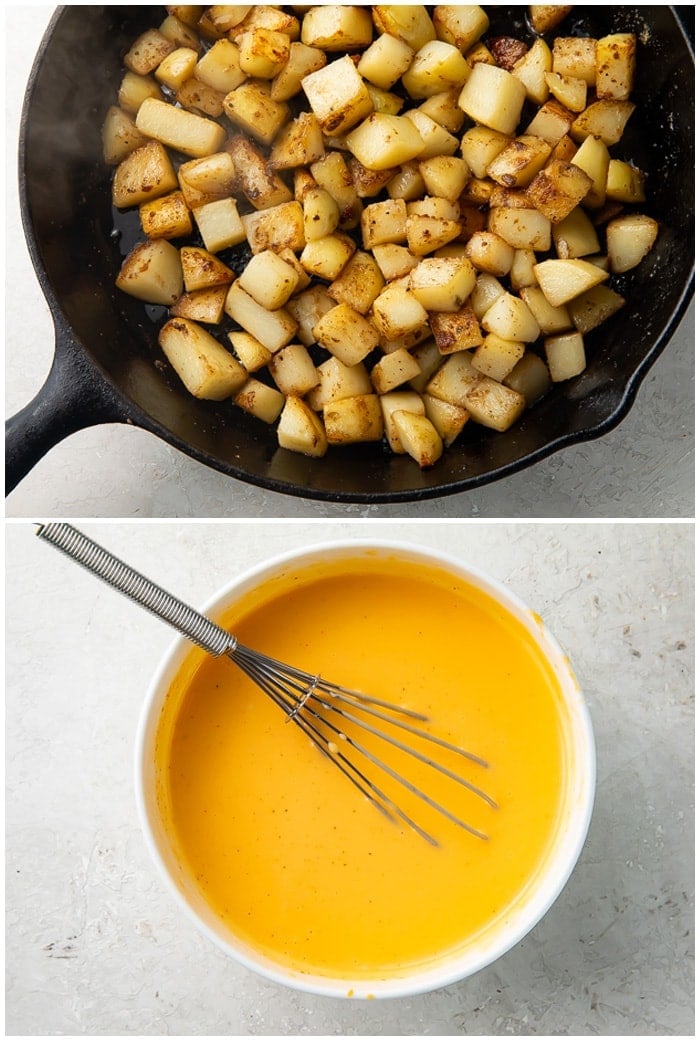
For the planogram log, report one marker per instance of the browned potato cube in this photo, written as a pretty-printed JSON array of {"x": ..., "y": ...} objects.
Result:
[
  {"x": 346, "y": 334},
  {"x": 145, "y": 174},
  {"x": 147, "y": 52},
  {"x": 152, "y": 272},
  {"x": 206, "y": 368},
  {"x": 301, "y": 430},
  {"x": 202, "y": 270},
  {"x": 293, "y": 370},
  {"x": 251, "y": 107},
  {"x": 337, "y": 95},
  {"x": 353, "y": 420},
  {"x": 204, "y": 305},
  {"x": 166, "y": 218},
  {"x": 558, "y": 189}
]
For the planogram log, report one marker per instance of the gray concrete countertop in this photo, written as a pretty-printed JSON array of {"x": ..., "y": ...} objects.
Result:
[
  {"x": 642, "y": 468},
  {"x": 96, "y": 946}
]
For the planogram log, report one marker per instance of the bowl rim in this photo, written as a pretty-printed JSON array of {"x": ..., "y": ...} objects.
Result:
[{"x": 558, "y": 863}]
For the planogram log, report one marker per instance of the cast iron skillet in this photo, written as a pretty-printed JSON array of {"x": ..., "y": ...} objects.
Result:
[{"x": 107, "y": 369}]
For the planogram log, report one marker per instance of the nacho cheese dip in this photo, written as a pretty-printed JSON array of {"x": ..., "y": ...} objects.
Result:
[{"x": 286, "y": 855}]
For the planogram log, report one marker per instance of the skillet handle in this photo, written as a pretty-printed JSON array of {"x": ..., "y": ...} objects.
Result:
[{"x": 74, "y": 396}]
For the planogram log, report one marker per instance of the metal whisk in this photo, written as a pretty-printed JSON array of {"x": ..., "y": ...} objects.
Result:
[{"x": 332, "y": 716}]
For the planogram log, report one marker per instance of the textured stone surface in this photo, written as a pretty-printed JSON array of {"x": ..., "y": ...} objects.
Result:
[
  {"x": 642, "y": 468},
  {"x": 95, "y": 945}
]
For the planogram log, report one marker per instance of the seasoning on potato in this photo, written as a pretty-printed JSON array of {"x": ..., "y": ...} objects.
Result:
[{"x": 433, "y": 215}]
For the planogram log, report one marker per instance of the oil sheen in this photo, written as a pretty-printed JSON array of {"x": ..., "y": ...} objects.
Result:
[{"x": 284, "y": 850}]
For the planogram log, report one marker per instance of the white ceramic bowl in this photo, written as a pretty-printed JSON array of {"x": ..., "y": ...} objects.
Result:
[{"x": 537, "y": 896}]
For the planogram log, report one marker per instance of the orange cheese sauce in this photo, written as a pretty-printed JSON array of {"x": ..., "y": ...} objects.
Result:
[{"x": 283, "y": 847}]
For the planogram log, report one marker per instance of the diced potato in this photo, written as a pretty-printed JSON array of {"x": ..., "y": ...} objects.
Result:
[
  {"x": 545, "y": 17},
  {"x": 145, "y": 174},
  {"x": 263, "y": 52},
  {"x": 251, "y": 108},
  {"x": 353, "y": 420},
  {"x": 307, "y": 309},
  {"x": 551, "y": 122},
  {"x": 429, "y": 360},
  {"x": 510, "y": 318},
  {"x": 338, "y": 96},
  {"x": 393, "y": 370},
  {"x": 383, "y": 222},
  {"x": 166, "y": 218},
  {"x": 336, "y": 381},
  {"x": 302, "y": 62},
  {"x": 521, "y": 228},
  {"x": 408, "y": 183},
  {"x": 220, "y": 67},
  {"x": 436, "y": 140},
  {"x": 359, "y": 283},
  {"x": 275, "y": 228},
  {"x": 593, "y": 158},
  {"x": 493, "y": 405},
  {"x": 327, "y": 257},
  {"x": 461, "y": 25},
  {"x": 625, "y": 182},
  {"x": 177, "y": 68},
  {"x": 605, "y": 119},
  {"x": 522, "y": 272},
  {"x": 262, "y": 187},
  {"x": 443, "y": 284},
  {"x": 205, "y": 367},
  {"x": 449, "y": 420},
  {"x": 383, "y": 141},
  {"x": 480, "y": 146},
  {"x": 566, "y": 356},
  {"x": 408, "y": 22},
  {"x": 396, "y": 311},
  {"x": 152, "y": 272},
  {"x": 517, "y": 163},
  {"x": 299, "y": 143},
  {"x": 337, "y": 27},
  {"x": 558, "y": 189},
  {"x": 575, "y": 236},
  {"x": 615, "y": 57},
  {"x": 251, "y": 353},
  {"x": 179, "y": 33},
  {"x": 532, "y": 70},
  {"x": 562, "y": 280},
  {"x": 204, "y": 305},
  {"x": 493, "y": 97},
  {"x": 202, "y": 270},
  {"x": 321, "y": 213},
  {"x": 207, "y": 179},
  {"x": 394, "y": 261},
  {"x": 436, "y": 67},
  {"x": 486, "y": 291},
  {"x": 530, "y": 377},
  {"x": 570, "y": 91},
  {"x": 333, "y": 174},
  {"x": 385, "y": 61},
  {"x": 425, "y": 234},
  {"x": 592, "y": 308},
  {"x": 134, "y": 89},
  {"x": 119, "y": 136},
  {"x": 457, "y": 330},
  {"x": 219, "y": 224},
  {"x": 293, "y": 370},
  {"x": 490, "y": 253},
  {"x": 443, "y": 109},
  {"x": 260, "y": 400},
  {"x": 497, "y": 357},
  {"x": 444, "y": 176},
  {"x": 346, "y": 334},
  {"x": 368, "y": 182},
  {"x": 274, "y": 329},
  {"x": 260, "y": 16},
  {"x": 269, "y": 280},
  {"x": 301, "y": 430},
  {"x": 147, "y": 52},
  {"x": 201, "y": 99},
  {"x": 407, "y": 341},
  {"x": 186, "y": 132},
  {"x": 550, "y": 319},
  {"x": 455, "y": 380},
  {"x": 629, "y": 239},
  {"x": 575, "y": 56},
  {"x": 406, "y": 401},
  {"x": 418, "y": 437}
]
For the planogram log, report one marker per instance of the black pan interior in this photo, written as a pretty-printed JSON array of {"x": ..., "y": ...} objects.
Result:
[{"x": 77, "y": 253}]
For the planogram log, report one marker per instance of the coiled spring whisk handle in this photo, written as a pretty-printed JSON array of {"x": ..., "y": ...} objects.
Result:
[{"x": 188, "y": 622}]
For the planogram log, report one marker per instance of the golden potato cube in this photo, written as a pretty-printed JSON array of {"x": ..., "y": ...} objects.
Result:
[
  {"x": 530, "y": 377},
  {"x": 119, "y": 136},
  {"x": 204, "y": 305},
  {"x": 353, "y": 420},
  {"x": 166, "y": 218},
  {"x": 490, "y": 253},
  {"x": 532, "y": 70},
  {"x": 480, "y": 146},
  {"x": 300, "y": 143},
  {"x": 443, "y": 109},
  {"x": 615, "y": 57},
  {"x": 301, "y": 430},
  {"x": 486, "y": 291},
  {"x": 394, "y": 261},
  {"x": 302, "y": 61},
  {"x": 406, "y": 401},
  {"x": 444, "y": 176},
  {"x": 327, "y": 257},
  {"x": 408, "y": 22},
  {"x": 493, "y": 97},
  {"x": 383, "y": 222},
  {"x": 336, "y": 381},
  {"x": 629, "y": 239},
  {"x": 188, "y": 14},
  {"x": 575, "y": 56},
  {"x": 147, "y": 52},
  {"x": 145, "y": 174},
  {"x": 566, "y": 356},
  {"x": 179, "y": 33},
  {"x": 337, "y": 27},
  {"x": 276, "y": 228},
  {"x": 429, "y": 361},
  {"x": 321, "y": 214},
  {"x": 461, "y": 25},
  {"x": 522, "y": 269},
  {"x": 346, "y": 334},
  {"x": 337, "y": 95},
  {"x": 562, "y": 280},
  {"x": 207, "y": 179},
  {"x": 262, "y": 187},
  {"x": 134, "y": 89},
  {"x": 493, "y": 405},
  {"x": 571, "y": 92},
  {"x": 605, "y": 119},
  {"x": 359, "y": 283},
  {"x": 550, "y": 319},
  {"x": 418, "y": 437},
  {"x": 625, "y": 183},
  {"x": 575, "y": 236},
  {"x": 260, "y": 16},
  {"x": 455, "y": 380},
  {"x": 293, "y": 370},
  {"x": 263, "y": 52},
  {"x": 407, "y": 183},
  {"x": 545, "y": 17},
  {"x": 197, "y": 97},
  {"x": 443, "y": 283},
  {"x": 307, "y": 309},
  {"x": 220, "y": 67},
  {"x": 177, "y": 68},
  {"x": 511, "y": 319},
  {"x": 394, "y": 369},
  {"x": 396, "y": 311},
  {"x": 523, "y": 229},
  {"x": 558, "y": 189},
  {"x": 205, "y": 367},
  {"x": 594, "y": 307},
  {"x": 520, "y": 160},
  {"x": 497, "y": 357},
  {"x": 437, "y": 141},
  {"x": 407, "y": 341},
  {"x": 383, "y": 141},
  {"x": 457, "y": 330},
  {"x": 449, "y": 420},
  {"x": 219, "y": 224},
  {"x": 425, "y": 234},
  {"x": 274, "y": 329},
  {"x": 385, "y": 60},
  {"x": 252, "y": 354},
  {"x": 269, "y": 280},
  {"x": 436, "y": 67},
  {"x": 593, "y": 158},
  {"x": 186, "y": 132},
  {"x": 152, "y": 272},
  {"x": 368, "y": 182},
  {"x": 551, "y": 122},
  {"x": 201, "y": 269},
  {"x": 251, "y": 108},
  {"x": 260, "y": 400},
  {"x": 333, "y": 174}
]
